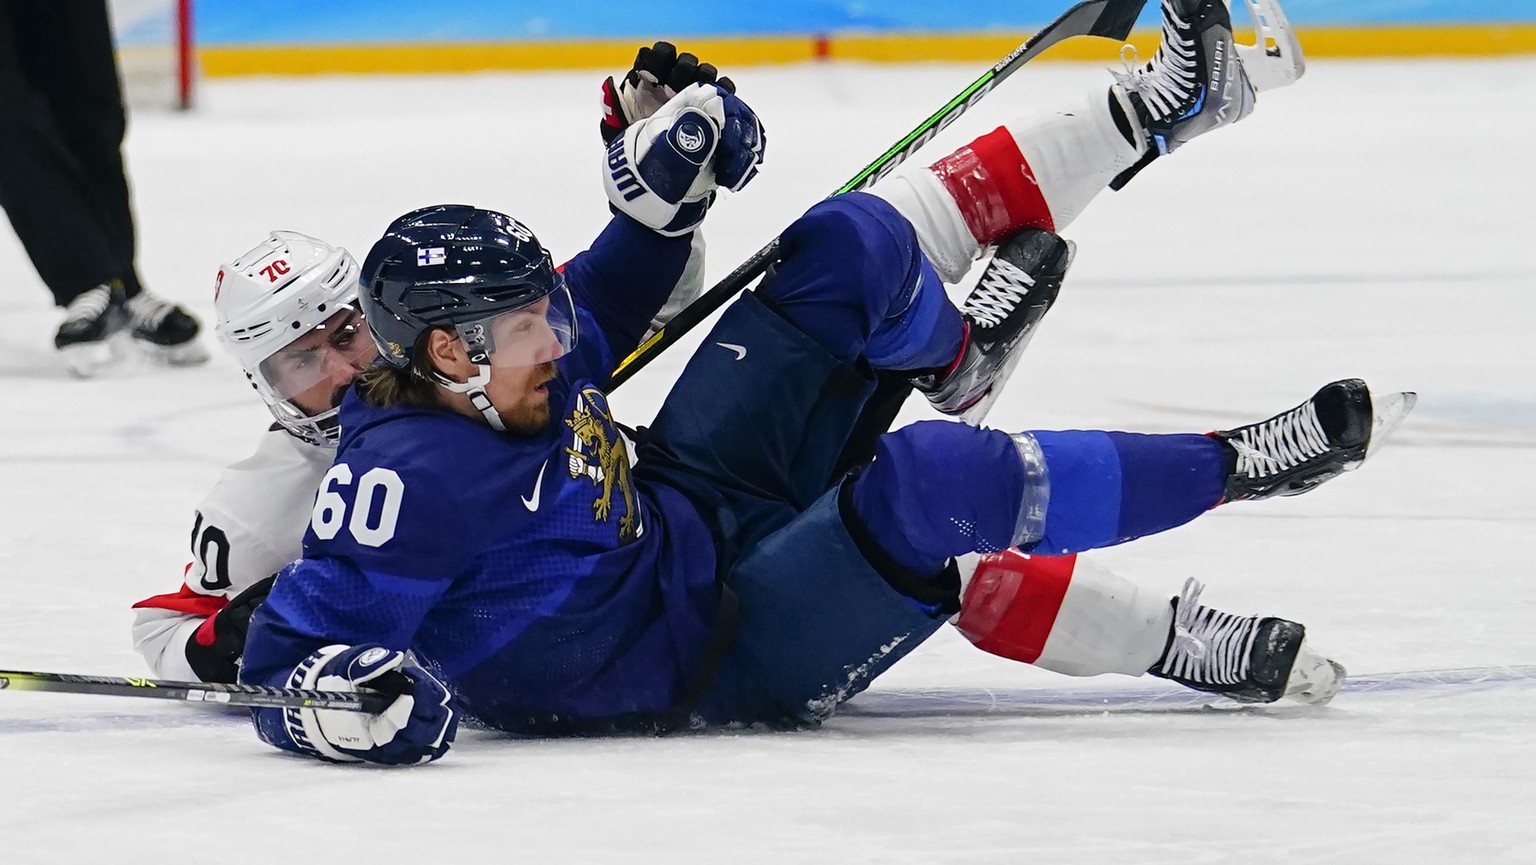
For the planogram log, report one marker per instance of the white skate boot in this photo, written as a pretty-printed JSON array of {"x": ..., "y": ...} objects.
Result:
[{"x": 1195, "y": 82}]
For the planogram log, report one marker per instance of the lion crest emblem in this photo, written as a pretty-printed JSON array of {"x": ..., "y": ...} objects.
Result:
[{"x": 599, "y": 453}]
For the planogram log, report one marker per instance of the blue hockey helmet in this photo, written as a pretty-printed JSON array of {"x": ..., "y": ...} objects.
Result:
[{"x": 464, "y": 268}]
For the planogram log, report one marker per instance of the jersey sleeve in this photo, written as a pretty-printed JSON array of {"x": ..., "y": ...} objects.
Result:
[
  {"x": 248, "y": 527},
  {"x": 321, "y": 602},
  {"x": 688, "y": 287},
  {"x": 625, "y": 277},
  {"x": 227, "y": 558},
  {"x": 161, "y": 635}
]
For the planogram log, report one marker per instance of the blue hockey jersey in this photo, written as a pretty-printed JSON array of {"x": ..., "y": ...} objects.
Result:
[{"x": 551, "y": 591}]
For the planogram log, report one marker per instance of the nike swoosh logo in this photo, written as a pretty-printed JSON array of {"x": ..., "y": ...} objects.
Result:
[
  {"x": 532, "y": 504},
  {"x": 741, "y": 350}
]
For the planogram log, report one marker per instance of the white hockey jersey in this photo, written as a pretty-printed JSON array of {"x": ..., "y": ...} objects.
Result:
[{"x": 249, "y": 527}]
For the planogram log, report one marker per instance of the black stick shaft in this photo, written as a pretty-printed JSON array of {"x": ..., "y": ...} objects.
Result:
[
  {"x": 1111, "y": 19},
  {"x": 195, "y": 692}
]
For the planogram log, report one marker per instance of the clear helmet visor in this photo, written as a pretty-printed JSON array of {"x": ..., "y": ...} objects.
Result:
[
  {"x": 312, "y": 372},
  {"x": 542, "y": 332}
]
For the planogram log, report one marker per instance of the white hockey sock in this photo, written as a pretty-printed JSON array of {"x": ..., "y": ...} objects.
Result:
[
  {"x": 1037, "y": 171},
  {"x": 1075, "y": 153},
  {"x": 1065, "y": 614}
]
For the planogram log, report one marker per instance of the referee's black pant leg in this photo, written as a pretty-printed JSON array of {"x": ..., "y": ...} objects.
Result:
[{"x": 53, "y": 161}]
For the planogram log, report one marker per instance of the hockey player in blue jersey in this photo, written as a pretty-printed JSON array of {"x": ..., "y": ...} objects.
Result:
[
  {"x": 487, "y": 513},
  {"x": 483, "y": 511}
]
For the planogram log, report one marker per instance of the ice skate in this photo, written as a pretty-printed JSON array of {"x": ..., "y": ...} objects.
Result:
[
  {"x": 1335, "y": 431},
  {"x": 1195, "y": 82},
  {"x": 90, "y": 322},
  {"x": 1001, "y": 314},
  {"x": 1246, "y": 658},
  {"x": 164, "y": 330}
]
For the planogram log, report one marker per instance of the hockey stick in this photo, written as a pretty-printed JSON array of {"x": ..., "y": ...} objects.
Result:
[
  {"x": 196, "y": 692},
  {"x": 1111, "y": 19}
]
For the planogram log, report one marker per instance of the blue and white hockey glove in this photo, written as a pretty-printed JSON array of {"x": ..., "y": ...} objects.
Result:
[
  {"x": 664, "y": 170},
  {"x": 418, "y": 726}
]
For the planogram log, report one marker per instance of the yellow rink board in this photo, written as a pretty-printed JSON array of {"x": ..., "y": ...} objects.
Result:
[{"x": 1405, "y": 41}]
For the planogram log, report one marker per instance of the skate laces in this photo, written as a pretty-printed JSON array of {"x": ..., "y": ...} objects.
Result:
[
  {"x": 1280, "y": 443},
  {"x": 148, "y": 311},
  {"x": 88, "y": 306},
  {"x": 1209, "y": 647},
  {"x": 1003, "y": 285},
  {"x": 1172, "y": 78}
]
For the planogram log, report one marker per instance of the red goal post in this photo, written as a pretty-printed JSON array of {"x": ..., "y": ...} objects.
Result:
[{"x": 155, "y": 52}]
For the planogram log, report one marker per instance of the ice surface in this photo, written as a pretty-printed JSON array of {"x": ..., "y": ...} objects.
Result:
[{"x": 1375, "y": 220}]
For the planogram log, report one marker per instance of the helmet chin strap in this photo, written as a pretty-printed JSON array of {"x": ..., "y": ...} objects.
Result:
[
  {"x": 477, "y": 342},
  {"x": 475, "y": 390}
]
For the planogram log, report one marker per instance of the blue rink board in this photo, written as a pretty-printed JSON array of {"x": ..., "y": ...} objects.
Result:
[{"x": 372, "y": 21}]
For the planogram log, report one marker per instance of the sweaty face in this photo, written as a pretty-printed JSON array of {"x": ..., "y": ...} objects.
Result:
[{"x": 314, "y": 371}]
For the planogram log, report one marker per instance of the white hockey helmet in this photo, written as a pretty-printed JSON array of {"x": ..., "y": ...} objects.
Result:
[{"x": 276, "y": 293}]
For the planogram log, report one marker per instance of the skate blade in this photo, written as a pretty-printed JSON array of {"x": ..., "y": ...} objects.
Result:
[
  {"x": 1275, "y": 58},
  {"x": 976, "y": 412},
  {"x": 1387, "y": 413},
  {"x": 90, "y": 359},
  {"x": 187, "y": 354},
  {"x": 1314, "y": 679}
]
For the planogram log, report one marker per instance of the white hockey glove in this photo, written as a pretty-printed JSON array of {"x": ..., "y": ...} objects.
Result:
[
  {"x": 418, "y": 726},
  {"x": 664, "y": 170},
  {"x": 657, "y": 75}
]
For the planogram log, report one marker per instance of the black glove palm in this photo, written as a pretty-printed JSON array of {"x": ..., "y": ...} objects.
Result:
[
  {"x": 214, "y": 649},
  {"x": 658, "y": 74}
]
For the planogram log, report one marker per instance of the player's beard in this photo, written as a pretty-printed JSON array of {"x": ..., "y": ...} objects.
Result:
[{"x": 531, "y": 415}]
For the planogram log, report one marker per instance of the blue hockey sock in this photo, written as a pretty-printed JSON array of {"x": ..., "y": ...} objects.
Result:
[
  {"x": 1110, "y": 487},
  {"x": 938, "y": 489}
]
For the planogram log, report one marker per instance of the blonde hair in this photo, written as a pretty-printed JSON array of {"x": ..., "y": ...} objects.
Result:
[{"x": 384, "y": 386}]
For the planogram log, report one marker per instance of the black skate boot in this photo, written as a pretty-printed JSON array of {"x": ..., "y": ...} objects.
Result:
[
  {"x": 165, "y": 330},
  {"x": 1195, "y": 82},
  {"x": 90, "y": 321},
  {"x": 1246, "y": 658},
  {"x": 1001, "y": 312},
  {"x": 1335, "y": 431}
]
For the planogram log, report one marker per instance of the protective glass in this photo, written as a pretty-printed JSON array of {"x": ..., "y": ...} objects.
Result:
[
  {"x": 541, "y": 332},
  {"x": 331, "y": 354}
]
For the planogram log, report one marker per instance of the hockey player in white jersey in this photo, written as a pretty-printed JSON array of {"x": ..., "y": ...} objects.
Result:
[{"x": 287, "y": 310}]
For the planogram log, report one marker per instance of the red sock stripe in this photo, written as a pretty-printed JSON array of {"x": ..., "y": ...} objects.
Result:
[
  {"x": 994, "y": 187},
  {"x": 1012, "y": 601}
]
